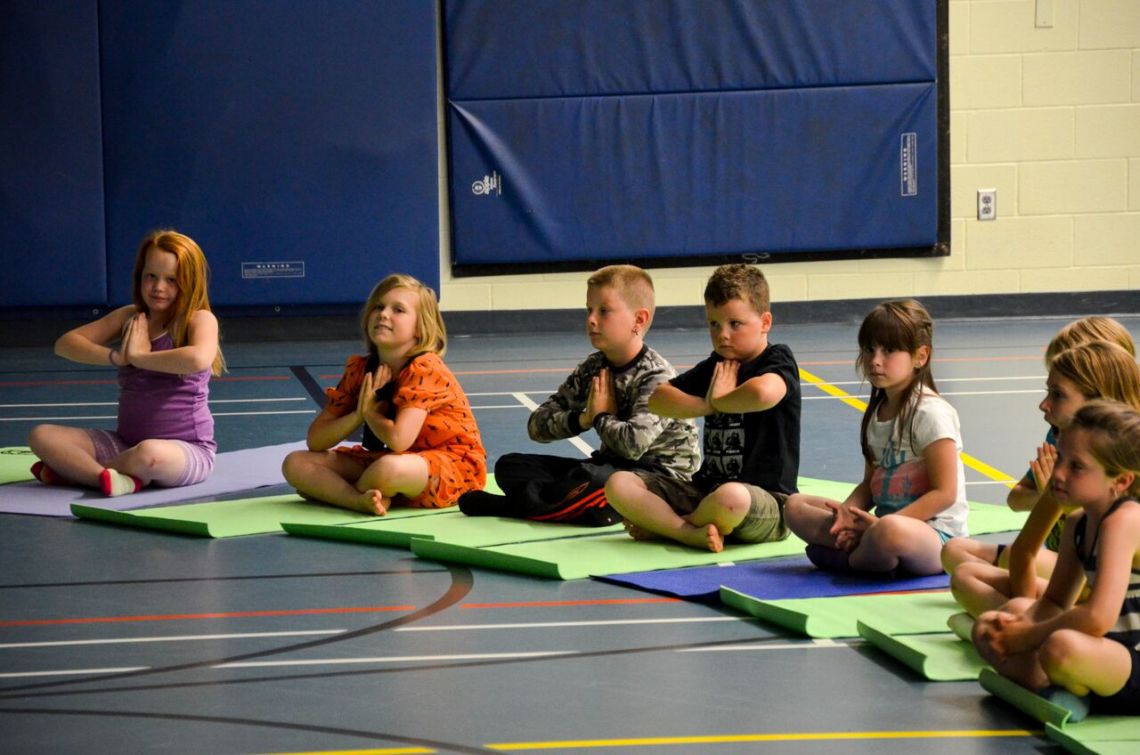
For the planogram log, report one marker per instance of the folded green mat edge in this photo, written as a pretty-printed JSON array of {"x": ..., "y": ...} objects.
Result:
[
  {"x": 947, "y": 658},
  {"x": 1019, "y": 697},
  {"x": 1097, "y": 739},
  {"x": 131, "y": 519},
  {"x": 488, "y": 558}
]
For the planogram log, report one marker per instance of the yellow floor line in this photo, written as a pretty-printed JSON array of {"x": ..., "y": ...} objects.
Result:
[
  {"x": 975, "y": 464},
  {"x": 738, "y": 738}
]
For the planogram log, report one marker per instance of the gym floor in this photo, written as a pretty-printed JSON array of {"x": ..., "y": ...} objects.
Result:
[{"x": 121, "y": 640}]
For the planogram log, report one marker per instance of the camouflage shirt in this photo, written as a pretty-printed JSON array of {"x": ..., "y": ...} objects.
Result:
[{"x": 669, "y": 446}]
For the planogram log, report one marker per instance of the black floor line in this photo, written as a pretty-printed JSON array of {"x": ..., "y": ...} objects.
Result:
[
  {"x": 312, "y": 387},
  {"x": 461, "y": 583},
  {"x": 491, "y": 663}
]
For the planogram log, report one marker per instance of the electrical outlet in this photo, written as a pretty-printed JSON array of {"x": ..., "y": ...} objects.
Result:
[{"x": 987, "y": 204}]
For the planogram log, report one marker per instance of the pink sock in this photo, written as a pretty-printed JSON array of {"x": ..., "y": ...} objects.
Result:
[
  {"x": 46, "y": 474},
  {"x": 114, "y": 482}
]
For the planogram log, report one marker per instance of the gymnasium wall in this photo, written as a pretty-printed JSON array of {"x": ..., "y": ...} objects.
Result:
[
  {"x": 1049, "y": 116},
  {"x": 295, "y": 141}
]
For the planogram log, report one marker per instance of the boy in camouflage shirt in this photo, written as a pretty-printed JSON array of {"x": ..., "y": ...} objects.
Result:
[{"x": 608, "y": 392}]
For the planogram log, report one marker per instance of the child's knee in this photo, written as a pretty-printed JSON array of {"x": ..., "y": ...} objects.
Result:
[
  {"x": 732, "y": 498},
  {"x": 150, "y": 453},
  {"x": 292, "y": 465},
  {"x": 1058, "y": 652},
  {"x": 954, "y": 553},
  {"x": 620, "y": 484}
]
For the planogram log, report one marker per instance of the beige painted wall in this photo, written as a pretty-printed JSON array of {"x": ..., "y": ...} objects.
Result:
[{"x": 1049, "y": 116}]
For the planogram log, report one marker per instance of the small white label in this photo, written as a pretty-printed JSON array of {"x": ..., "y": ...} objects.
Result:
[
  {"x": 252, "y": 270},
  {"x": 488, "y": 185},
  {"x": 908, "y": 164}
]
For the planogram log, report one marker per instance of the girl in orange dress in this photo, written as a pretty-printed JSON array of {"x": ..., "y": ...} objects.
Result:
[{"x": 421, "y": 446}]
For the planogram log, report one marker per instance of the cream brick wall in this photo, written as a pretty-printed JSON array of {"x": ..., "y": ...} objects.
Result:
[{"x": 1050, "y": 117}]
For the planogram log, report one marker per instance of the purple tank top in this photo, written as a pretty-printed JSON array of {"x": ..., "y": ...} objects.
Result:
[{"x": 161, "y": 405}]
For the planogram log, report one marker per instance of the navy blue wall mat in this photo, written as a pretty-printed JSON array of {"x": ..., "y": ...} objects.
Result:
[
  {"x": 295, "y": 141},
  {"x": 687, "y": 132}
]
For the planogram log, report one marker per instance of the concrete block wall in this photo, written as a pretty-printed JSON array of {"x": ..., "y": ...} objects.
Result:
[{"x": 1048, "y": 115}]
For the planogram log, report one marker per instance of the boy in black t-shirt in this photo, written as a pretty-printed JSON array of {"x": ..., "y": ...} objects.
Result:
[{"x": 748, "y": 391}]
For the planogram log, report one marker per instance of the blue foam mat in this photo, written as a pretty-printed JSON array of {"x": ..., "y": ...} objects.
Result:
[{"x": 772, "y": 579}]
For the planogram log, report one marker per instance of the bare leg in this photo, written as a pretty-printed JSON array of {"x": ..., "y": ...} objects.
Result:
[
  {"x": 1023, "y": 668},
  {"x": 68, "y": 451},
  {"x": 961, "y": 550},
  {"x": 392, "y": 475},
  {"x": 648, "y": 512},
  {"x": 160, "y": 461},
  {"x": 898, "y": 542},
  {"x": 809, "y": 518},
  {"x": 1082, "y": 663},
  {"x": 981, "y": 587},
  {"x": 330, "y": 477}
]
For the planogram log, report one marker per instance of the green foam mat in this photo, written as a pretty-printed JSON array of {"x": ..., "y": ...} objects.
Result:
[
  {"x": 454, "y": 527},
  {"x": 597, "y": 556},
  {"x": 16, "y": 464},
  {"x": 940, "y": 657},
  {"x": 1025, "y": 701},
  {"x": 1095, "y": 734},
  {"x": 835, "y": 617},
  {"x": 1098, "y": 735},
  {"x": 218, "y": 519}
]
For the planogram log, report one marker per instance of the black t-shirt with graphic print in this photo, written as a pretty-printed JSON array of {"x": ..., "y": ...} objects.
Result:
[{"x": 759, "y": 448}]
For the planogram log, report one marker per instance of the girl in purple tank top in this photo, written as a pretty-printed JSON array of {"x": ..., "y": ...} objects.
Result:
[{"x": 165, "y": 347}]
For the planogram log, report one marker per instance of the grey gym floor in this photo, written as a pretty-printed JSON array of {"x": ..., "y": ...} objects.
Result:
[{"x": 117, "y": 640}]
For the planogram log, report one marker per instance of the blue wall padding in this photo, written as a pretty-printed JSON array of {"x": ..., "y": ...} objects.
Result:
[
  {"x": 51, "y": 167},
  {"x": 555, "y": 48},
  {"x": 274, "y": 131},
  {"x": 646, "y": 131}
]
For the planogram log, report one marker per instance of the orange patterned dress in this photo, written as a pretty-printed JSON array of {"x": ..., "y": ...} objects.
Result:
[{"x": 448, "y": 441}]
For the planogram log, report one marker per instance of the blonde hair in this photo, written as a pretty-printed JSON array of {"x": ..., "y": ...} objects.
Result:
[
  {"x": 1114, "y": 437},
  {"x": 631, "y": 283},
  {"x": 193, "y": 276},
  {"x": 431, "y": 334},
  {"x": 902, "y": 325},
  {"x": 1099, "y": 369},
  {"x": 738, "y": 281},
  {"x": 1095, "y": 328}
]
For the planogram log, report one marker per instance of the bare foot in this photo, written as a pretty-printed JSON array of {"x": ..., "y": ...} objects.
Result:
[
  {"x": 638, "y": 533},
  {"x": 713, "y": 539},
  {"x": 373, "y": 502}
]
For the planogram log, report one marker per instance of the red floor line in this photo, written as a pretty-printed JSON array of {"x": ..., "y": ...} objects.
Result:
[{"x": 220, "y": 615}]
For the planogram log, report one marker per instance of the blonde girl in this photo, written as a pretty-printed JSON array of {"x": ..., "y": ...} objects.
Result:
[
  {"x": 913, "y": 476},
  {"x": 1059, "y": 400},
  {"x": 165, "y": 348},
  {"x": 421, "y": 446},
  {"x": 1098, "y": 369},
  {"x": 1083, "y": 655}
]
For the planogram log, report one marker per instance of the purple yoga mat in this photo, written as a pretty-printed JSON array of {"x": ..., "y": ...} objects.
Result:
[
  {"x": 769, "y": 579},
  {"x": 234, "y": 471}
]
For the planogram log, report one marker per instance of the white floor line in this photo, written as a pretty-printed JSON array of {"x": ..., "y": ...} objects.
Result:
[
  {"x": 397, "y": 659},
  {"x": 806, "y": 645},
  {"x": 73, "y": 672},
  {"x": 553, "y": 624},
  {"x": 822, "y": 644},
  {"x": 111, "y": 416},
  {"x": 578, "y": 443},
  {"x": 114, "y": 403},
  {"x": 171, "y": 638}
]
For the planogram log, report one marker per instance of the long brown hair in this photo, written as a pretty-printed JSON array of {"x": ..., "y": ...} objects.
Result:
[
  {"x": 902, "y": 325},
  {"x": 193, "y": 277}
]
